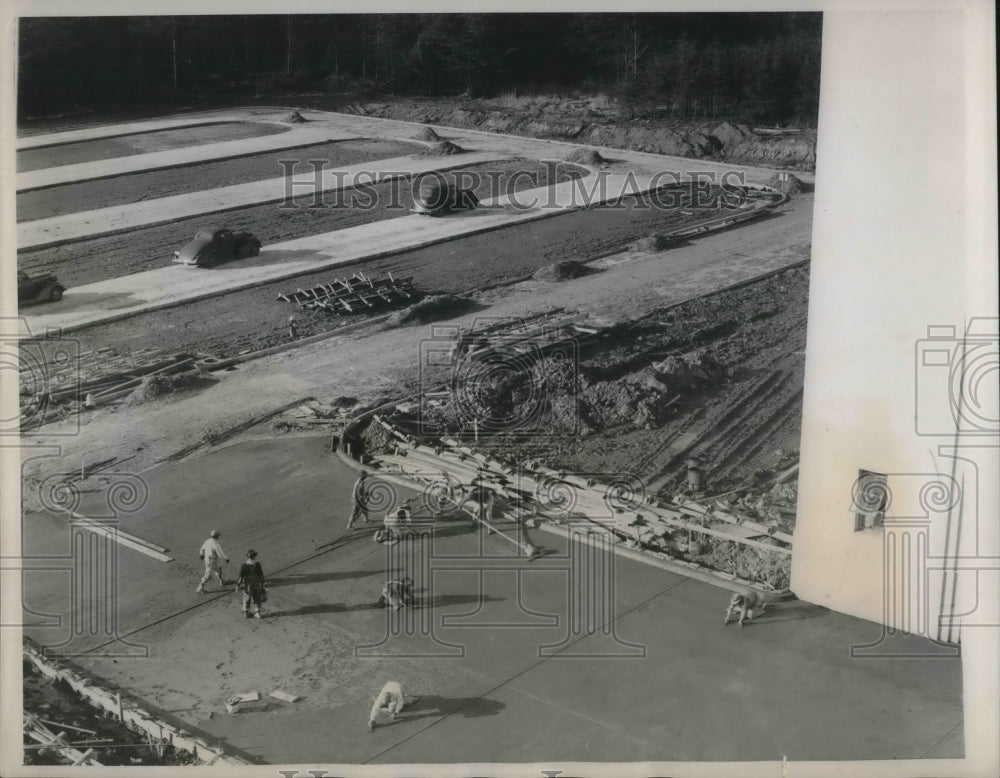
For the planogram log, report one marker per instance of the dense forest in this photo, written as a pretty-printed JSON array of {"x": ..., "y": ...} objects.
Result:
[{"x": 755, "y": 67}]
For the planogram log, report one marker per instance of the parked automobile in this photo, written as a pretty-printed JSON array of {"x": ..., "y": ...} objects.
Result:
[
  {"x": 435, "y": 197},
  {"x": 38, "y": 289},
  {"x": 212, "y": 247}
]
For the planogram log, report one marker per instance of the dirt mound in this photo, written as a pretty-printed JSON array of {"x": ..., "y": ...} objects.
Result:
[
  {"x": 691, "y": 370},
  {"x": 428, "y": 134},
  {"x": 728, "y": 133},
  {"x": 376, "y": 440},
  {"x": 433, "y": 308},
  {"x": 788, "y": 185},
  {"x": 587, "y": 157},
  {"x": 560, "y": 271},
  {"x": 155, "y": 386},
  {"x": 294, "y": 118},
  {"x": 442, "y": 149},
  {"x": 651, "y": 243}
]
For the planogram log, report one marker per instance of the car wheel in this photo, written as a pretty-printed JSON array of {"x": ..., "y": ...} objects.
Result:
[
  {"x": 56, "y": 293},
  {"x": 207, "y": 260}
]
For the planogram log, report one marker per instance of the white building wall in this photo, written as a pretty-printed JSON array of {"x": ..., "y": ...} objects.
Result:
[{"x": 905, "y": 239}]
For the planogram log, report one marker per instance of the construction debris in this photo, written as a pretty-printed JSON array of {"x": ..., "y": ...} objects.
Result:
[
  {"x": 358, "y": 294},
  {"x": 96, "y": 378},
  {"x": 159, "y": 733},
  {"x": 56, "y": 742},
  {"x": 285, "y": 696},
  {"x": 709, "y": 536}
]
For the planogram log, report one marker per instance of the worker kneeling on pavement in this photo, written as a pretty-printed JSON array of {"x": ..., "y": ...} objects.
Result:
[
  {"x": 396, "y": 593},
  {"x": 395, "y": 523},
  {"x": 392, "y": 699}
]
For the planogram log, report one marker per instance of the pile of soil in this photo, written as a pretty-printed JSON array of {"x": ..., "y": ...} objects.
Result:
[
  {"x": 376, "y": 440},
  {"x": 560, "y": 271},
  {"x": 587, "y": 157},
  {"x": 576, "y": 122},
  {"x": 155, "y": 386},
  {"x": 650, "y": 243},
  {"x": 433, "y": 308},
  {"x": 442, "y": 149},
  {"x": 790, "y": 185},
  {"x": 746, "y": 562},
  {"x": 691, "y": 370},
  {"x": 428, "y": 134},
  {"x": 294, "y": 118}
]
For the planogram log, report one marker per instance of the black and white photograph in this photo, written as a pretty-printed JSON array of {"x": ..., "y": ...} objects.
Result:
[{"x": 532, "y": 390}]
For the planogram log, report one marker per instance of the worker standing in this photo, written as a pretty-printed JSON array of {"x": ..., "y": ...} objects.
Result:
[
  {"x": 212, "y": 555},
  {"x": 391, "y": 698},
  {"x": 360, "y": 496},
  {"x": 251, "y": 583}
]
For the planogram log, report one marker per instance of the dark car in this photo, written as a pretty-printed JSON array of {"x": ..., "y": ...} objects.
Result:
[
  {"x": 438, "y": 198},
  {"x": 37, "y": 289},
  {"x": 211, "y": 247}
]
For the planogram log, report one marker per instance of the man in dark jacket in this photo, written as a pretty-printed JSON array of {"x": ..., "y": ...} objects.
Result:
[
  {"x": 251, "y": 583},
  {"x": 360, "y": 500}
]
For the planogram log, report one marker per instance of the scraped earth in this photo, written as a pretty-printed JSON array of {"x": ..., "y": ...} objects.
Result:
[
  {"x": 95, "y": 259},
  {"x": 253, "y": 319},
  {"x": 141, "y": 143},
  {"x": 166, "y": 182}
]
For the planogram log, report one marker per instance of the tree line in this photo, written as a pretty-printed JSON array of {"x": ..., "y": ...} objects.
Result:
[{"x": 758, "y": 67}]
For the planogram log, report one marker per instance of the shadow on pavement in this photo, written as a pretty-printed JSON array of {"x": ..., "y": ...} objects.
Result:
[
  {"x": 307, "y": 578},
  {"x": 444, "y": 600},
  {"x": 434, "y": 705},
  {"x": 326, "y": 607},
  {"x": 792, "y": 612}
]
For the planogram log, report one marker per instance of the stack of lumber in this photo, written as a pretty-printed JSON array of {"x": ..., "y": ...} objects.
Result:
[{"x": 358, "y": 294}]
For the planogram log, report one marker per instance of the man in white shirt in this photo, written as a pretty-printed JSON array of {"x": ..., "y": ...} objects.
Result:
[
  {"x": 392, "y": 698},
  {"x": 212, "y": 555}
]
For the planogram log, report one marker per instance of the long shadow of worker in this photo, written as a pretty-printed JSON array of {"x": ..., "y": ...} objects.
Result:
[
  {"x": 791, "y": 611},
  {"x": 436, "y": 706},
  {"x": 444, "y": 600},
  {"x": 325, "y": 607},
  {"x": 307, "y": 578}
]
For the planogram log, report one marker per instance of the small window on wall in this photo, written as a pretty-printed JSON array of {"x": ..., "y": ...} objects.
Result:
[{"x": 871, "y": 499}]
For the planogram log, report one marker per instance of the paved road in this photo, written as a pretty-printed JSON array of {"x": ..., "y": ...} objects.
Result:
[{"x": 500, "y": 653}]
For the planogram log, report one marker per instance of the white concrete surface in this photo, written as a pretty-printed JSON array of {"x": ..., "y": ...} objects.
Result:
[{"x": 117, "y": 130}]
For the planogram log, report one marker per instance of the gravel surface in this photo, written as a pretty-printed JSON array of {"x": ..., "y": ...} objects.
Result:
[
  {"x": 141, "y": 143},
  {"x": 86, "y": 261},
  {"x": 105, "y": 192}
]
